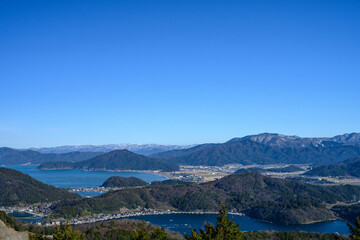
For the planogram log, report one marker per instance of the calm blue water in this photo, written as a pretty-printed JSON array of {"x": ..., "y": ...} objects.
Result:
[
  {"x": 176, "y": 222},
  {"x": 182, "y": 222},
  {"x": 89, "y": 194},
  {"x": 80, "y": 178},
  {"x": 26, "y": 217}
]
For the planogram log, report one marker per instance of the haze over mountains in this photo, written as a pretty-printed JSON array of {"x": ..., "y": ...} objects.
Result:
[
  {"x": 9, "y": 156},
  {"x": 271, "y": 139},
  {"x": 263, "y": 148},
  {"x": 144, "y": 149}
]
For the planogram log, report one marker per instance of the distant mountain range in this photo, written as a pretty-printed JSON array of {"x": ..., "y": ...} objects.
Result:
[
  {"x": 114, "y": 160},
  {"x": 265, "y": 148},
  {"x": 144, "y": 149},
  {"x": 268, "y": 148},
  {"x": 9, "y": 156},
  {"x": 270, "y": 139},
  {"x": 284, "y": 141}
]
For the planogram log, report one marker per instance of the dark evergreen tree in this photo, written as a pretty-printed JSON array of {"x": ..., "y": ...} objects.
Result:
[
  {"x": 355, "y": 230},
  {"x": 67, "y": 232},
  {"x": 225, "y": 229},
  {"x": 159, "y": 234},
  {"x": 143, "y": 234}
]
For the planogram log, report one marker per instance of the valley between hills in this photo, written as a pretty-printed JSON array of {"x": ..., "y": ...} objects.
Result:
[{"x": 271, "y": 177}]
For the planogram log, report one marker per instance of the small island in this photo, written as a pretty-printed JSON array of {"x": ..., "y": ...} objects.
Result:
[{"x": 117, "y": 181}]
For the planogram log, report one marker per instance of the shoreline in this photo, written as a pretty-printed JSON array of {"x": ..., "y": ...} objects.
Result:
[
  {"x": 114, "y": 216},
  {"x": 154, "y": 172},
  {"x": 101, "y": 217}
]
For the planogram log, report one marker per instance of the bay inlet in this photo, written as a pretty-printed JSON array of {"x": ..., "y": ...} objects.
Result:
[{"x": 176, "y": 222}]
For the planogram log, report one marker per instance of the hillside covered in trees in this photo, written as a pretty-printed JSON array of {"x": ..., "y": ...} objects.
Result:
[
  {"x": 347, "y": 168},
  {"x": 117, "y": 181},
  {"x": 249, "y": 151},
  {"x": 114, "y": 160},
  {"x": 277, "y": 200},
  {"x": 17, "y": 187}
]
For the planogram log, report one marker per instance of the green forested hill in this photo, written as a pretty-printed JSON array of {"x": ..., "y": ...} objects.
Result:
[
  {"x": 56, "y": 165},
  {"x": 348, "y": 168},
  {"x": 17, "y": 187},
  {"x": 271, "y": 199},
  {"x": 117, "y": 181},
  {"x": 115, "y": 160},
  {"x": 348, "y": 212},
  {"x": 124, "y": 160}
]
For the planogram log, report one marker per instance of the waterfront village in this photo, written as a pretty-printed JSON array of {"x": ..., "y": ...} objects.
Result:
[
  {"x": 42, "y": 211},
  {"x": 196, "y": 174}
]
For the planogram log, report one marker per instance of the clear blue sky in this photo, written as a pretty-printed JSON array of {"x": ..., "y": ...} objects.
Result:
[{"x": 176, "y": 71}]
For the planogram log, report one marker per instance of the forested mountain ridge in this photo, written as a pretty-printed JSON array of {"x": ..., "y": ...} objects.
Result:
[
  {"x": 247, "y": 151},
  {"x": 285, "y": 141},
  {"x": 115, "y": 160},
  {"x": 272, "y": 140},
  {"x": 277, "y": 200},
  {"x": 265, "y": 148}
]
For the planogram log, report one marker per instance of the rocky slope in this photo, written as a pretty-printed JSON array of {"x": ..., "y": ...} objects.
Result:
[{"x": 7, "y": 233}]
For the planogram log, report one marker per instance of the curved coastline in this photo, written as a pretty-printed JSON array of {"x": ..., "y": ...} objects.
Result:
[{"x": 108, "y": 217}]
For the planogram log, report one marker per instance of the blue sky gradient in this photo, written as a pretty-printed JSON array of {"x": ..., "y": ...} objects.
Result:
[{"x": 176, "y": 72}]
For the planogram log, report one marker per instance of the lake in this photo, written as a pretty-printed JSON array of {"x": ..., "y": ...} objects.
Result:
[
  {"x": 26, "y": 217},
  {"x": 81, "y": 178},
  {"x": 176, "y": 222},
  {"x": 182, "y": 222}
]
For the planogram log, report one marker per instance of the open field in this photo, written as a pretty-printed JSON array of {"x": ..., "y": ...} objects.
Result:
[{"x": 211, "y": 173}]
